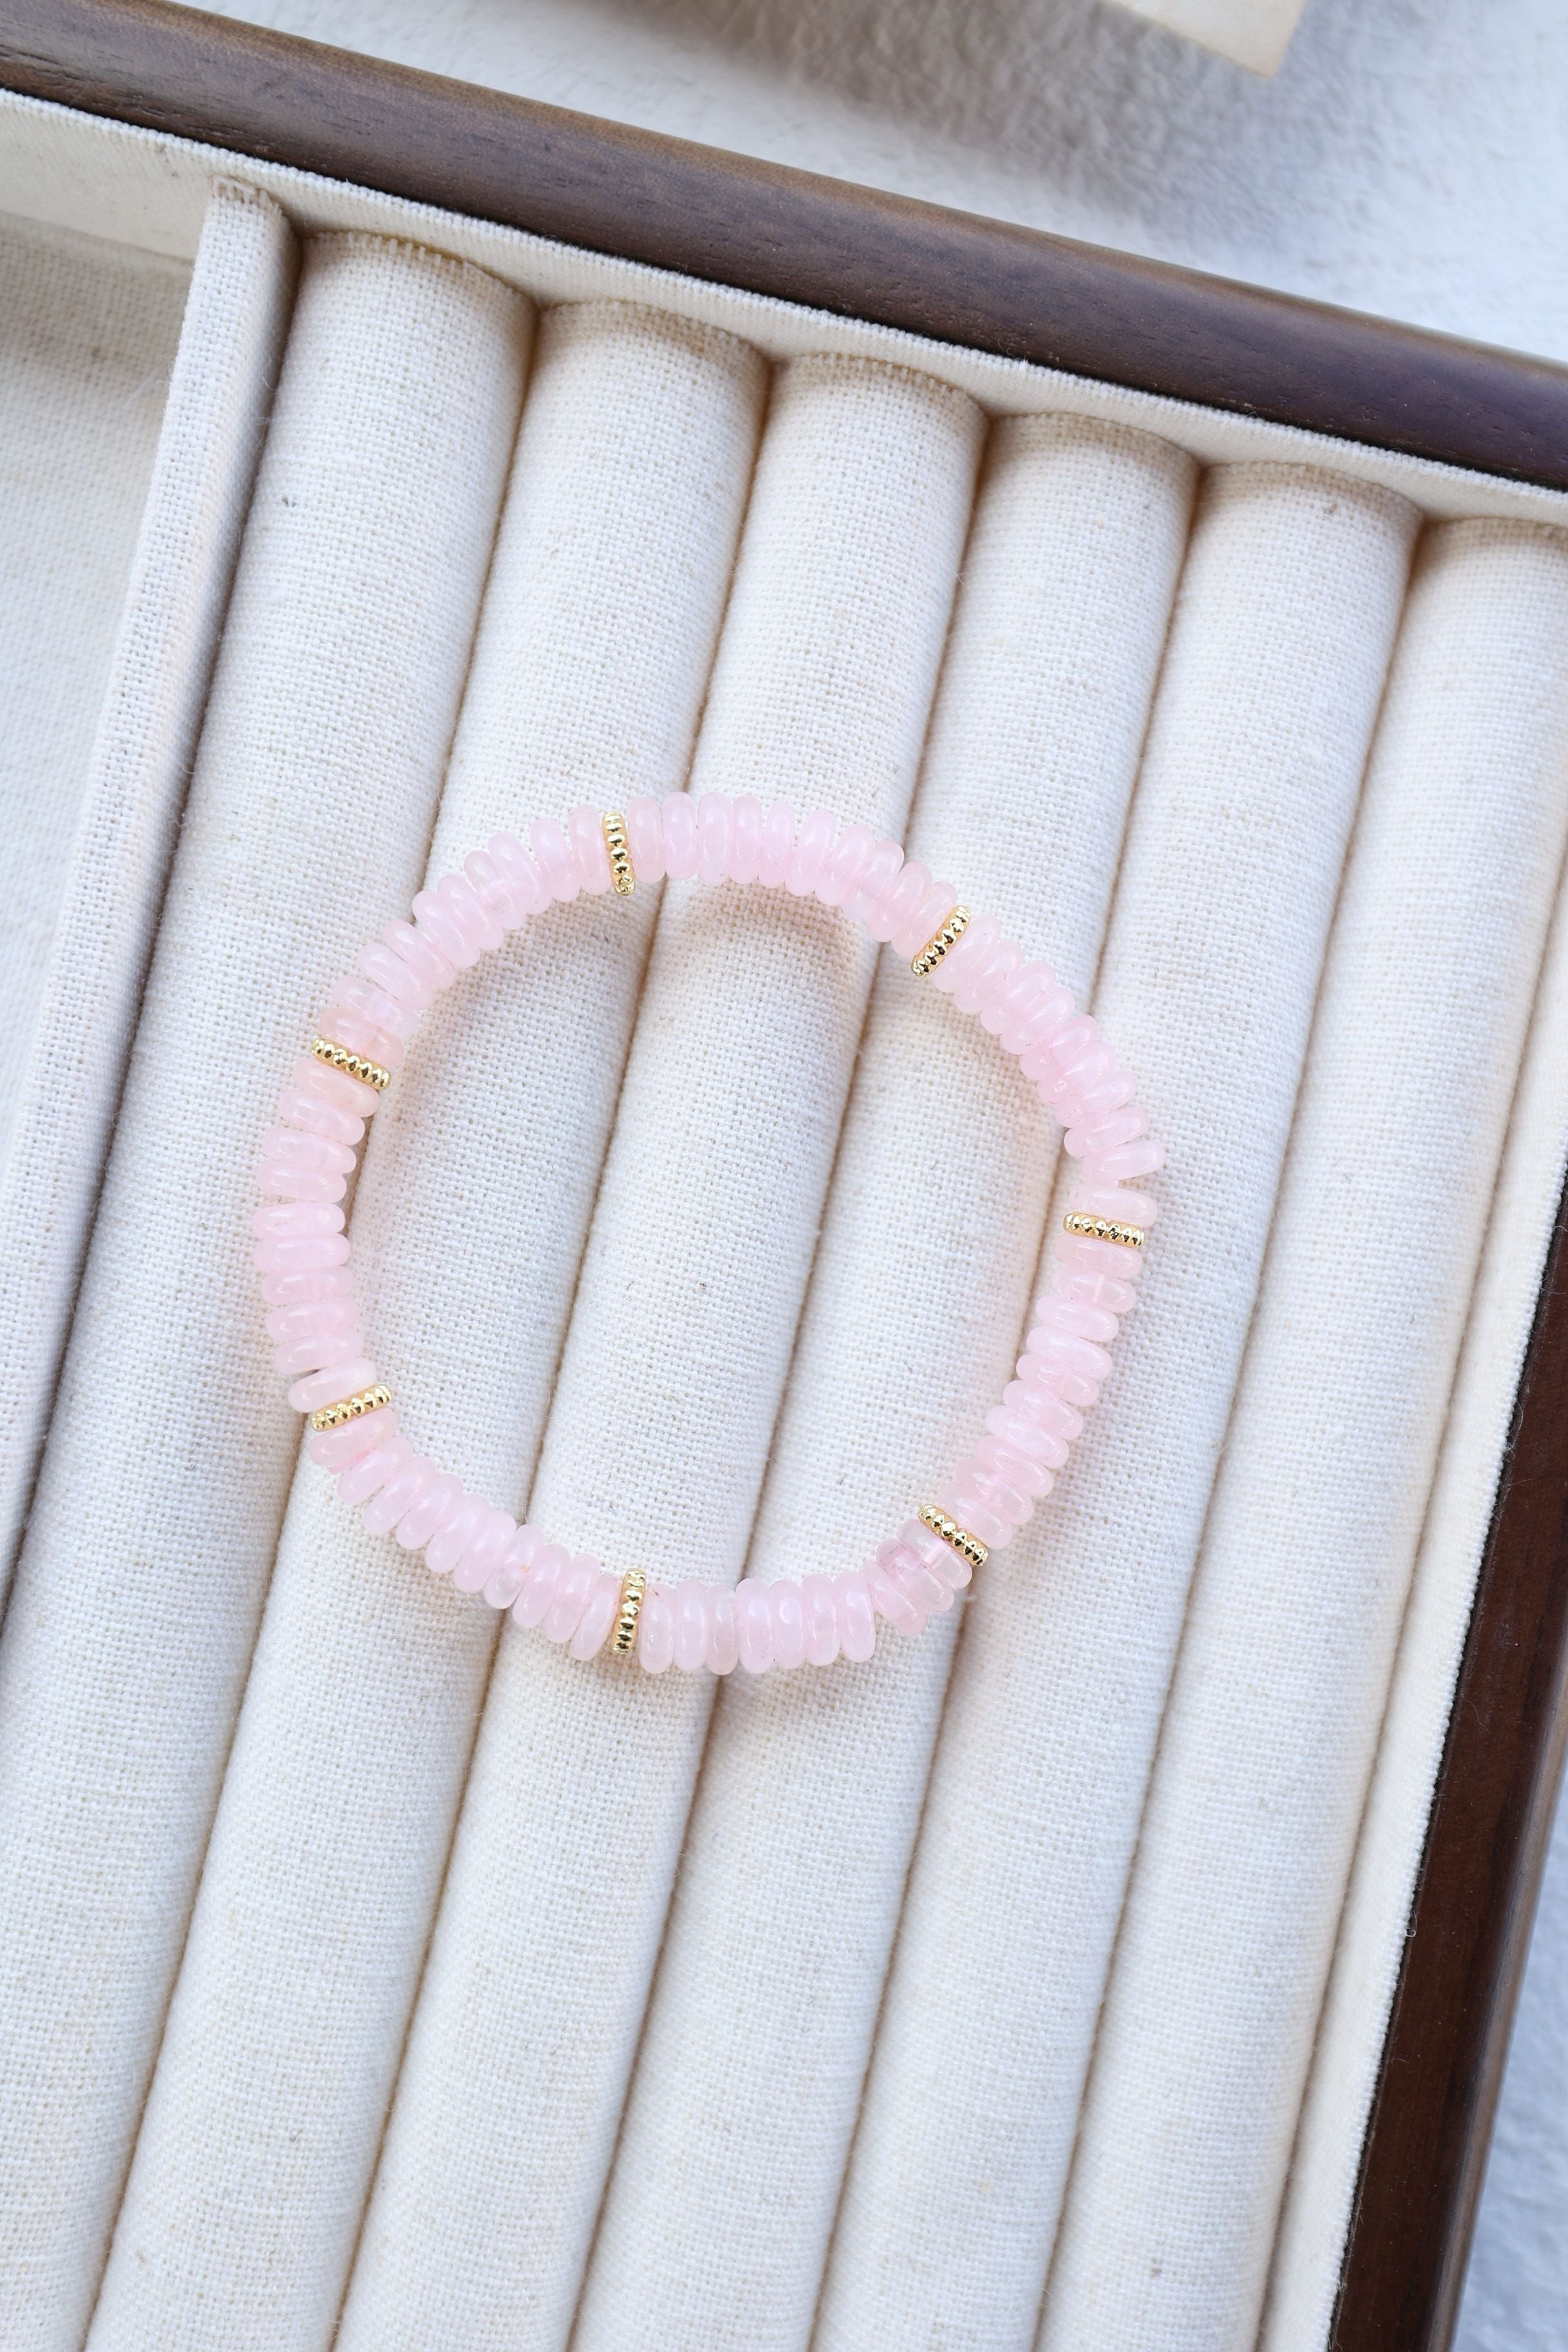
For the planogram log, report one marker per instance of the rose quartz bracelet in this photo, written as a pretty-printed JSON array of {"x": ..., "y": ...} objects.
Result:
[{"x": 302, "y": 1252}]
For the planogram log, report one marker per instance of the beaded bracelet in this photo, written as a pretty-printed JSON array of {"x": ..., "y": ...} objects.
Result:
[{"x": 302, "y": 1251}]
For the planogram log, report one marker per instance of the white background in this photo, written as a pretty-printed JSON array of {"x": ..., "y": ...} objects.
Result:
[{"x": 1409, "y": 158}]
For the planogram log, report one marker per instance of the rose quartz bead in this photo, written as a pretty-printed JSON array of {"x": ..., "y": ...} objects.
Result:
[
  {"x": 311, "y": 1355},
  {"x": 778, "y": 846},
  {"x": 839, "y": 875},
  {"x": 788, "y": 1622},
  {"x": 550, "y": 1565},
  {"x": 644, "y": 838},
  {"x": 486, "y": 1549},
  {"x": 1023, "y": 1436},
  {"x": 693, "y": 1624},
  {"x": 1094, "y": 1290},
  {"x": 586, "y": 830},
  {"x": 961, "y": 1502},
  {"x": 1030, "y": 1041},
  {"x": 971, "y": 952},
  {"x": 493, "y": 890},
  {"x": 1060, "y": 1347},
  {"x": 430, "y": 1513},
  {"x": 334, "y": 1449},
  {"x": 481, "y": 927},
  {"x": 297, "y": 1183},
  {"x": 714, "y": 819},
  {"x": 746, "y": 839},
  {"x": 594, "y": 1625},
  {"x": 977, "y": 987},
  {"x": 1121, "y": 1127},
  {"x": 318, "y": 1078},
  {"x": 723, "y": 1635},
  {"x": 1124, "y": 1165},
  {"x": 1010, "y": 1003},
  {"x": 940, "y": 1558},
  {"x": 424, "y": 961},
  {"x": 295, "y": 1220},
  {"x": 293, "y": 1150},
  {"x": 925, "y": 920},
  {"x": 383, "y": 1511},
  {"x": 446, "y": 1548},
  {"x": 1045, "y": 1372},
  {"x": 856, "y": 1620},
  {"x": 352, "y": 992},
  {"x": 890, "y": 1600},
  {"x": 678, "y": 815},
  {"x": 506, "y": 1583},
  {"x": 996, "y": 1453},
  {"x": 909, "y": 889},
  {"x": 299, "y": 1256},
  {"x": 820, "y": 1620},
  {"x": 564, "y": 1614},
  {"x": 656, "y": 1634},
  {"x": 813, "y": 842},
  {"x": 1082, "y": 1252},
  {"x": 307, "y": 1318},
  {"x": 1013, "y": 1504},
  {"x": 878, "y": 878},
  {"x": 1119, "y": 1201},
  {"x": 754, "y": 1625},
  {"x": 362, "y": 1036},
  {"x": 296, "y": 1289},
  {"x": 370, "y": 1474},
  {"x": 1059, "y": 1314},
  {"x": 928, "y": 1591},
  {"x": 526, "y": 887},
  {"x": 344, "y": 1379},
  {"x": 392, "y": 976},
  {"x": 553, "y": 855},
  {"x": 301, "y": 1111}
]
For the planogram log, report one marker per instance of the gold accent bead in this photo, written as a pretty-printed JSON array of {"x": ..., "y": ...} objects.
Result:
[
  {"x": 351, "y": 1408},
  {"x": 354, "y": 1066},
  {"x": 1103, "y": 1229},
  {"x": 623, "y": 1636},
  {"x": 966, "y": 1545},
  {"x": 931, "y": 954},
  {"x": 622, "y": 881}
]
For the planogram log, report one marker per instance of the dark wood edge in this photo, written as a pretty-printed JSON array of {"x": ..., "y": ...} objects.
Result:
[
  {"x": 1485, "y": 1846},
  {"x": 947, "y": 275}
]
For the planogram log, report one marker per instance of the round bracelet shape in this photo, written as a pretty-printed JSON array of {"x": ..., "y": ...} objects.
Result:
[{"x": 302, "y": 1251}]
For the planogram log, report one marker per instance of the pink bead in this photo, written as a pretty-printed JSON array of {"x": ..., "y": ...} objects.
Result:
[
  {"x": 344, "y": 1379},
  {"x": 927, "y": 1546},
  {"x": 839, "y": 875},
  {"x": 446, "y": 1549},
  {"x": 820, "y": 1619},
  {"x": 503, "y": 1586},
  {"x": 1082, "y": 1251},
  {"x": 971, "y": 953},
  {"x": 788, "y": 1622},
  {"x": 392, "y": 976},
  {"x": 352, "y": 1095},
  {"x": 878, "y": 876},
  {"x": 299, "y": 1356},
  {"x": 309, "y": 1318},
  {"x": 856, "y": 1620},
  {"x": 979, "y": 989},
  {"x": 565, "y": 1614},
  {"x": 439, "y": 923},
  {"x": 586, "y": 830},
  {"x": 1041, "y": 1372},
  {"x": 425, "y": 960},
  {"x": 363, "y": 1037},
  {"x": 1023, "y": 1436},
  {"x": 480, "y": 925},
  {"x": 526, "y": 886},
  {"x": 291, "y": 1150},
  {"x": 553, "y": 855},
  {"x": 754, "y": 1625},
  {"x": 493, "y": 890},
  {"x": 656, "y": 1634},
  {"x": 961, "y": 1502},
  {"x": 678, "y": 815},
  {"x": 1118, "y": 1201},
  {"x": 1013, "y": 1504},
  {"x": 300, "y": 1256},
  {"x": 1125, "y": 1164},
  {"x": 1030, "y": 1036},
  {"x": 307, "y": 1112},
  {"x": 353, "y": 993},
  {"x": 334, "y": 1449},
  {"x": 295, "y": 1289},
  {"x": 693, "y": 1625},
  {"x": 539, "y": 1586},
  {"x": 1102, "y": 1100},
  {"x": 746, "y": 839},
  {"x": 594, "y": 1624},
  {"x": 1006, "y": 1006},
  {"x": 713, "y": 827},
  {"x": 892, "y": 911},
  {"x": 296, "y": 1220},
  {"x": 723, "y": 1635},
  {"x": 383, "y": 1511},
  {"x": 1059, "y": 1314},
  {"x": 297, "y": 1183},
  {"x": 778, "y": 846},
  {"x": 928, "y": 1593},
  {"x": 1060, "y": 1347},
  {"x": 486, "y": 1549},
  {"x": 1094, "y": 1289},
  {"x": 1121, "y": 1127},
  {"x": 430, "y": 1513},
  {"x": 370, "y": 1474},
  {"x": 644, "y": 838},
  {"x": 925, "y": 920},
  {"x": 814, "y": 841},
  {"x": 890, "y": 1600}
]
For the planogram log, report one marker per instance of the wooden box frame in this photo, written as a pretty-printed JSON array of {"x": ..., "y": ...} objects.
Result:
[{"x": 1017, "y": 292}]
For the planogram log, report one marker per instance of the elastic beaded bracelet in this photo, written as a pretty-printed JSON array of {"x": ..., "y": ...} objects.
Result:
[{"x": 302, "y": 1251}]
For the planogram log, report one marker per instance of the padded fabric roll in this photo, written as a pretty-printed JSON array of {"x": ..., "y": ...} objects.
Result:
[
  {"x": 63, "y": 1106},
  {"x": 169, "y": 1459},
  {"x": 748, "y": 2081},
  {"x": 1274, "y": 1713},
  {"x": 322, "y": 1881},
  {"x": 676, "y": 1355},
  {"x": 1284, "y": 625}
]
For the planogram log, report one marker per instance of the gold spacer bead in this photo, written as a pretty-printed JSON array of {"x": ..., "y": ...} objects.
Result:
[
  {"x": 622, "y": 881},
  {"x": 966, "y": 1545},
  {"x": 354, "y": 1066},
  {"x": 1103, "y": 1229},
  {"x": 931, "y": 954},
  {"x": 352, "y": 1408},
  {"x": 623, "y": 1636}
]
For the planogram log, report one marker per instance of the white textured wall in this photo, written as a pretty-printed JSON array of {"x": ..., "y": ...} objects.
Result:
[{"x": 1409, "y": 158}]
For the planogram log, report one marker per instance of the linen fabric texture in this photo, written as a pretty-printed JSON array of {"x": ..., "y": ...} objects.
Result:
[{"x": 375, "y": 1980}]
